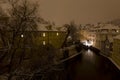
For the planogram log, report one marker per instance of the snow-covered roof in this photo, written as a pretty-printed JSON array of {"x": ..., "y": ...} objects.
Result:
[
  {"x": 109, "y": 26},
  {"x": 94, "y": 28},
  {"x": 42, "y": 27},
  {"x": 117, "y": 37}
]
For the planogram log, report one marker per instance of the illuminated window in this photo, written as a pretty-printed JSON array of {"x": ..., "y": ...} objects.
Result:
[
  {"x": 43, "y": 34},
  {"x": 44, "y": 43},
  {"x": 57, "y": 34}
]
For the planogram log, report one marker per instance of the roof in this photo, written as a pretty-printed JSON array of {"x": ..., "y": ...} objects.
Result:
[
  {"x": 117, "y": 37},
  {"x": 42, "y": 27},
  {"x": 109, "y": 26},
  {"x": 94, "y": 28}
]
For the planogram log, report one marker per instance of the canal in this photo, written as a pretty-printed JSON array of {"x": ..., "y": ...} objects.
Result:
[{"x": 91, "y": 66}]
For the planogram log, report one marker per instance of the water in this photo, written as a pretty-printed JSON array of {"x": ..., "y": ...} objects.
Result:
[{"x": 91, "y": 66}]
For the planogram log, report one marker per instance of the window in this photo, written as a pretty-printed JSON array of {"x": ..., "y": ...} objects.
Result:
[
  {"x": 44, "y": 35},
  {"x": 44, "y": 42},
  {"x": 57, "y": 33}
]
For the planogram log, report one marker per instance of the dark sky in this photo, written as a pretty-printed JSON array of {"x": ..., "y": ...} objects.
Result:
[{"x": 81, "y": 11}]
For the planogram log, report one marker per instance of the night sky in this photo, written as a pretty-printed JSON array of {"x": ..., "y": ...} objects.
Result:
[{"x": 81, "y": 11}]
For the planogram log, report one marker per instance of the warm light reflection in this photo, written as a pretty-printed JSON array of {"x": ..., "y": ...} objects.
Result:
[{"x": 89, "y": 55}]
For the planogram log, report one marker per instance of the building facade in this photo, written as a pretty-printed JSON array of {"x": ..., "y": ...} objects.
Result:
[
  {"x": 104, "y": 37},
  {"x": 101, "y": 36},
  {"x": 116, "y": 50}
]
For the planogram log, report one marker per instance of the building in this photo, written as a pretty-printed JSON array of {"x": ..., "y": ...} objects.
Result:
[
  {"x": 51, "y": 35},
  {"x": 104, "y": 37},
  {"x": 42, "y": 36},
  {"x": 116, "y": 50},
  {"x": 88, "y": 35},
  {"x": 101, "y": 36}
]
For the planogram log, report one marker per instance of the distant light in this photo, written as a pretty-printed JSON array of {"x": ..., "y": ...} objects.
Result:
[
  {"x": 43, "y": 34},
  {"x": 44, "y": 43},
  {"x": 22, "y": 35},
  {"x": 117, "y": 31},
  {"x": 88, "y": 43},
  {"x": 69, "y": 37},
  {"x": 57, "y": 34}
]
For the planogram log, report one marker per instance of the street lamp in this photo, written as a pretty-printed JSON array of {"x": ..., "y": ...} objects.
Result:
[{"x": 22, "y": 35}]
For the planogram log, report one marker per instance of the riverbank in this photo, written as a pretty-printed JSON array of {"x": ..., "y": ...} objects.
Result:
[
  {"x": 108, "y": 57},
  {"x": 71, "y": 52}
]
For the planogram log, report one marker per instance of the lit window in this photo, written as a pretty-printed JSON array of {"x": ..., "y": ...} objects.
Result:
[
  {"x": 43, "y": 34},
  {"x": 57, "y": 34},
  {"x": 44, "y": 43},
  {"x": 22, "y": 35}
]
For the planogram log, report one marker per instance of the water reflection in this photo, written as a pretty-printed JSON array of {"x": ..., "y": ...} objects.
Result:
[
  {"x": 89, "y": 56},
  {"x": 92, "y": 66}
]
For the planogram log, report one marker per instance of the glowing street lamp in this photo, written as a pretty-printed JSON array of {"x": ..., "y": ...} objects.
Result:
[{"x": 22, "y": 35}]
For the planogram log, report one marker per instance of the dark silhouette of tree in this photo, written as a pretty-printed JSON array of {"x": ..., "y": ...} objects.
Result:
[
  {"x": 22, "y": 17},
  {"x": 71, "y": 31},
  {"x": 49, "y": 27},
  {"x": 3, "y": 22},
  {"x": 18, "y": 61}
]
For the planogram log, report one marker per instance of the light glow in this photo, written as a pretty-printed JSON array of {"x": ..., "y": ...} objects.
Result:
[
  {"x": 117, "y": 31},
  {"x": 87, "y": 42},
  {"x": 57, "y": 34},
  {"x": 43, "y": 34},
  {"x": 22, "y": 35},
  {"x": 44, "y": 42}
]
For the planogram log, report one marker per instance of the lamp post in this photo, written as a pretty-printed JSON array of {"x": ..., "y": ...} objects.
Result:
[{"x": 22, "y": 35}]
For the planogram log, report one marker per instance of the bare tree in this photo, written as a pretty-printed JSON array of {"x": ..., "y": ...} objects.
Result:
[
  {"x": 71, "y": 31},
  {"x": 3, "y": 22},
  {"x": 22, "y": 17}
]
